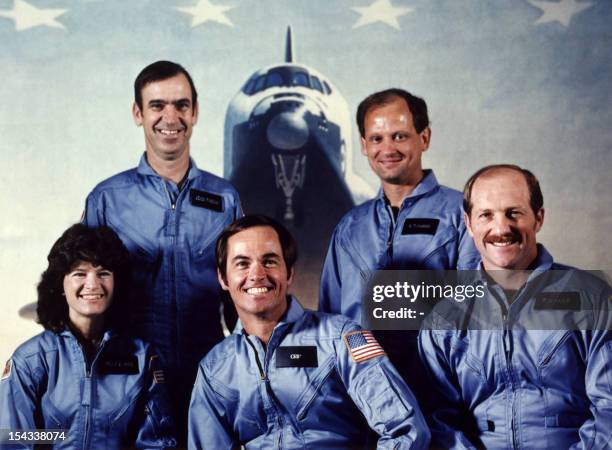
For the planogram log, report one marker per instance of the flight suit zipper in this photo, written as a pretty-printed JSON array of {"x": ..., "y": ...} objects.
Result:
[
  {"x": 173, "y": 238},
  {"x": 508, "y": 350},
  {"x": 88, "y": 392},
  {"x": 268, "y": 388}
]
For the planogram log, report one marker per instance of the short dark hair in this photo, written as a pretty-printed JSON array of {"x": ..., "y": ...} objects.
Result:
[
  {"x": 99, "y": 246},
  {"x": 416, "y": 105},
  {"x": 287, "y": 242},
  {"x": 161, "y": 70},
  {"x": 536, "y": 199}
]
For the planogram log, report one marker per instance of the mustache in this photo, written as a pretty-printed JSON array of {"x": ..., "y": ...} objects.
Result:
[{"x": 510, "y": 236}]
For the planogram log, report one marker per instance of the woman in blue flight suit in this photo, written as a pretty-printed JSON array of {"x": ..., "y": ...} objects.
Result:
[{"x": 83, "y": 374}]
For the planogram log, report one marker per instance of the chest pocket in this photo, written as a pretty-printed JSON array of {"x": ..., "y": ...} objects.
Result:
[
  {"x": 53, "y": 418},
  {"x": 470, "y": 369},
  {"x": 424, "y": 249},
  {"x": 204, "y": 250},
  {"x": 316, "y": 390},
  {"x": 245, "y": 414}
]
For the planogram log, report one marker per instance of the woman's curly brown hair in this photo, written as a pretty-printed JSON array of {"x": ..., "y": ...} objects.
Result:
[{"x": 101, "y": 247}]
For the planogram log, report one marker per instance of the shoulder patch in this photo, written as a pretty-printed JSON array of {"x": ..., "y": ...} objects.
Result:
[
  {"x": 362, "y": 345},
  {"x": 8, "y": 368}
]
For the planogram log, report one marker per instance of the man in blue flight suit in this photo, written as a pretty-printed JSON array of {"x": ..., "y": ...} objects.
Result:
[
  {"x": 413, "y": 223},
  {"x": 290, "y": 378},
  {"x": 169, "y": 213},
  {"x": 531, "y": 369}
]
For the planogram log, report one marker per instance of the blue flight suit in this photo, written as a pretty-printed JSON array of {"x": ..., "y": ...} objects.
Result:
[
  {"x": 429, "y": 233},
  {"x": 117, "y": 400},
  {"x": 302, "y": 390},
  {"x": 170, "y": 234},
  {"x": 507, "y": 378}
]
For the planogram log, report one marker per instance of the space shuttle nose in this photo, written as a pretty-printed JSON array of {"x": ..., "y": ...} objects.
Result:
[{"x": 288, "y": 130}]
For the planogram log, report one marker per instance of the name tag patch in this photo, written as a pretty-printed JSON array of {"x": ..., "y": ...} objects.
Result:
[
  {"x": 297, "y": 356},
  {"x": 558, "y": 301},
  {"x": 206, "y": 200},
  {"x": 121, "y": 365},
  {"x": 420, "y": 226}
]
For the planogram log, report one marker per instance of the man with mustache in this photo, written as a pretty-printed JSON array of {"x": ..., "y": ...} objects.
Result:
[
  {"x": 528, "y": 365},
  {"x": 290, "y": 378},
  {"x": 413, "y": 223},
  {"x": 168, "y": 213}
]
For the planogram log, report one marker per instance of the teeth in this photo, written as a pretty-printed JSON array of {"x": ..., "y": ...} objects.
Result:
[
  {"x": 169, "y": 132},
  {"x": 257, "y": 290},
  {"x": 502, "y": 244},
  {"x": 91, "y": 296}
]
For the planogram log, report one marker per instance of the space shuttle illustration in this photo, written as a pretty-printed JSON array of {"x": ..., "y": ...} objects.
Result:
[{"x": 288, "y": 152}]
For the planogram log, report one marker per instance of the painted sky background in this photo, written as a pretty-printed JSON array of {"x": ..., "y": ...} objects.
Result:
[{"x": 521, "y": 81}]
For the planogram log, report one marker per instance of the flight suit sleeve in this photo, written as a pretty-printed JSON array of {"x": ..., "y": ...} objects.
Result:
[
  {"x": 19, "y": 391},
  {"x": 156, "y": 427},
  {"x": 442, "y": 405},
  {"x": 468, "y": 256},
  {"x": 330, "y": 294},
  {"x": 379, "y": 391},
  {"x": 596, "y": 432},
  {"x": 208, "y": 425},
  {"x": 93, "y": 215}
]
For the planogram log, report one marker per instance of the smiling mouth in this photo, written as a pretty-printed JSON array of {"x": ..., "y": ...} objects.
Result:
[
  {"x": 503, "y": 241},
  {"x": 91, "y": 297},
  {"x": 170, "y": 133},
  {"x": 258, "y": 290}
]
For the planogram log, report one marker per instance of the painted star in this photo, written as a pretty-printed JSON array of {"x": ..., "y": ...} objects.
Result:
[
  {"x": 380, "y": 11},
  {"x": 205, "y": 11},
  {"x": 28, "y": 16},
  {"x": 560, "y": 11}
]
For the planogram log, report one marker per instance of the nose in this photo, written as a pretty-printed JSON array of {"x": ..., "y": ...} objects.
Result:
[
  {"x": 501, "y": 224},
  {"x": 170, "y": 114},
  {"x": 92, "y": 281},
  {"x": 257, "y": 271},
  {"x": 388, "y": 144}
]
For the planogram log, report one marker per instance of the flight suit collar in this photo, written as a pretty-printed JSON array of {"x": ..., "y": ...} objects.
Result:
[
  {"x": 428, "y": 184},
  {"x": 293, "y": 314},
  {"x": 145, "y": 169},
  {"x": 543, "y": 262}
]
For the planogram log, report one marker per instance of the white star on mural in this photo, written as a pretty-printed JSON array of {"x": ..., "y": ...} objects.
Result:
[
  {"x": 559, "y": 11},
  {"x": 380, "y": 11},
  {"x": 28, "y": 16},
  {"x": 205, "y": 11}
]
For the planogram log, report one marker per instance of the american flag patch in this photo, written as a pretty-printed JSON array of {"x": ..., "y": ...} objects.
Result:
[
  {"x": 362, "y": 345},
  {"x": 7, "y": 369},
  {"x": 158, "y": 376}
]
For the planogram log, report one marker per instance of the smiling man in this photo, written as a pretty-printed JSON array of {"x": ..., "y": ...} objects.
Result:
[
  {"x": 168, "y": 213},
  {"x": 290, "y": 378},
  {"x": 528, "y": 365},
  {"x": 413, "y": 223}
]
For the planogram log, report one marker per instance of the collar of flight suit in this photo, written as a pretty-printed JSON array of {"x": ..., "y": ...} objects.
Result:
[
  {"x": 293, "y": 314},
  {"x": 428, "y": 184},
  {"x": 108, "y": 334},
  {"x": 542, "y": 263},
  {"x": 145, "y": 169}
]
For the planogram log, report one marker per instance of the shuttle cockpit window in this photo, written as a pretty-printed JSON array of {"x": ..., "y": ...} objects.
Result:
[
  {"x": 285, "y": 77},
  {"x": 316, "y": 84},
  {"x": 274, "y": 79},
  {"x": 259, "y": 84},
  {"x": 327, "y": 88}
]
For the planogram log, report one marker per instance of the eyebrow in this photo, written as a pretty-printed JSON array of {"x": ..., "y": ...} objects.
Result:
[
  {"x": 174, "y": 102},
  {"x": 265, "y": 255}
]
